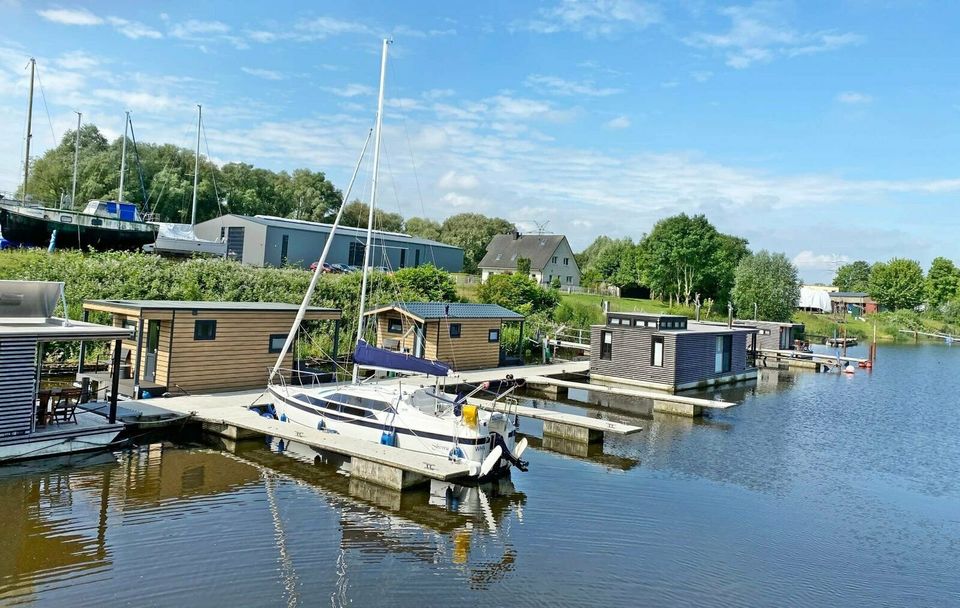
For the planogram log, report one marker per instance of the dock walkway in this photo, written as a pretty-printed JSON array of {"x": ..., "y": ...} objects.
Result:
[{"x": 561, "y": 424}]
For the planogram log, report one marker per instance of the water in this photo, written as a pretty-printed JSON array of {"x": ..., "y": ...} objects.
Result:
[{"x": 820, "y": 490}]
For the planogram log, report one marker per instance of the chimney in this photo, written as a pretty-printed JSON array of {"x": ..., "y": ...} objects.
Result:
[{"x": 516, "y": 235}]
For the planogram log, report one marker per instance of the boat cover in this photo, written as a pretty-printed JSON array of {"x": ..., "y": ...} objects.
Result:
[
  {"x": 378, "y": 357},
  {"x": 814, "y": 299}
]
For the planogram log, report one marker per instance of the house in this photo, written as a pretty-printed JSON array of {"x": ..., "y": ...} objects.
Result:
[
  {"x": 464, "y": 336},
  {"x": 668, "y": 352},
  {"x": 264, "y": 240},
  {"x": 178, "y": 346},
  {"x": 550, "y": 257},
  {"x": 36, "y": 420},
  {"x": 857, "y": 303}
]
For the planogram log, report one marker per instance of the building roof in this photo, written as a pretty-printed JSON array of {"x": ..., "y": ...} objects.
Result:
[
  {"x": 292, "y": 224},
  {"x": 140, "y": 305},
  {"x": 504, "y": 250},
  {"x": 54, "y": 328},
  {"x": 647, "y": 315},
  {"x": 451, "y": 310},
  {"x": 849, "y": 294}
]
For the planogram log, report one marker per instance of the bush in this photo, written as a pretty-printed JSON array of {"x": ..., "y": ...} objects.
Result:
[{"x": 518, "y": 293}]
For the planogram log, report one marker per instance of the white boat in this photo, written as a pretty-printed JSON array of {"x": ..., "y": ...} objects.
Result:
[{"x": 420, "y": 420}]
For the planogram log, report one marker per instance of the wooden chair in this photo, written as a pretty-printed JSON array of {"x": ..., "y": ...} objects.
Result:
[
  {"x": 43, "y": 407},
  {"x": 65, "y": 407}
]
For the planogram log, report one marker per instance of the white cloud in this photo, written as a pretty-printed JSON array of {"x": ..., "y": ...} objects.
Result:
[
  {"x": 560, "y": 86},
  {"x": 620, "y": 122},
  {"x": 808, "y": 260},
  {"x": 701, "y": 75},
  {"x": 323, "y": 27},
  {"x": 351, "y": 90},
  {"x": 759, "y": 33},
  {"x": 853, "y": 97},
  {"x": 70, "y": 16},
  {"x": 262, "y": 73},
  {"x": 193, "y": 28},
  {"x": 133, "y": 29},
  {"x": 451, "y": 180},
  {"x": 593, "y": 17},
  {"x": 78, "y": 60}
]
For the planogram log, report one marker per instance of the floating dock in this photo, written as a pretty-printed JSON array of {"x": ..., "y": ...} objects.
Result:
[
  {"x": 560, "y": 424},
  {"x": 793, "y": 358}
]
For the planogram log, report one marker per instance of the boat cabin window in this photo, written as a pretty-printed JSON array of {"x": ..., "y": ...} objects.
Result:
[
  {"x": 96, "y": 222},
  {"x": 395, "y": 326},
  {"x": 66, "y": 219},
  {"x": 205, "y": 329},
  {"x": 454, "y": 330},
  {"x": 276, "y": 342},
  {"x": 358, "y": 406}
]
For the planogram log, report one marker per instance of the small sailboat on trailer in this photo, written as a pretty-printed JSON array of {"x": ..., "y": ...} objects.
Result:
[{"x": 419, "y": 419}]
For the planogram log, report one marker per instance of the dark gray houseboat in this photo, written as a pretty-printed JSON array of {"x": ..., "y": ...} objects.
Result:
[{"x": 669, "y": 352}]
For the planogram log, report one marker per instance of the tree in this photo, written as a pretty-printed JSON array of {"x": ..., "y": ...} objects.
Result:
[
  {"x": 519, "y": 293},
  {"x": 425, "y": 282},
  {"x": 854, "y": 276},
  {"x": 423, "y": 228},
  {"x": 473, "y": 232},
  {"x": 897, "y": 284},
  {"x": 357, "y": 214},
  {"x": 585, "y": 257},
  {"x": 310, "y": 195},
  {"x": 684, "y": 255},
  {"x": 612, "y": 262},
  {"x": 943, "y": 281},
  {"x": 523, "y": 266},
  {"x": 769, "y": 281},
  {"x": 720, "y": 276}
]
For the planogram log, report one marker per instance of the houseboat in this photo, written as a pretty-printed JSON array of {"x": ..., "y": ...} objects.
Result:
[
  {"x": 669, "y": 352},
  {"x": 36, "y": 420}
]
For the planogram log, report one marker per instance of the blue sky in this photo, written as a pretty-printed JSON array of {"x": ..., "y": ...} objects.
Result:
[{"x": 826, "y": 130}]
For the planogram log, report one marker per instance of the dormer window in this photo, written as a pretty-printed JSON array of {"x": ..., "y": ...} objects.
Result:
[{"x": 499, "y": 256}]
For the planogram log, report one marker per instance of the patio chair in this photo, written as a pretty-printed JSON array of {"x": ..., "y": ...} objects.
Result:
[
  {"x": 65, "y": 407},
  {"x": 43, "y": 407}
]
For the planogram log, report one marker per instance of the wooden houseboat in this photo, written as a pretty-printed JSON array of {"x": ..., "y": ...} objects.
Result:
[
  {"x": 464, "y": 336},
  {"x": 187, "y": 346},
  {"x": 668, "y": 352},
  {"x": 36, "y": 420}
]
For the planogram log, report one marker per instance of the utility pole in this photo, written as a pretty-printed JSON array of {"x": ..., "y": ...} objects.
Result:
[
  {"x": 123, "y": 156},
  {"x": 26, "y": 162},
  {"x": 76, "y": 158}
]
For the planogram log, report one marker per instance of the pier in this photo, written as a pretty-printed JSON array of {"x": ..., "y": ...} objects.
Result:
[{"x": 793, "y": 358}]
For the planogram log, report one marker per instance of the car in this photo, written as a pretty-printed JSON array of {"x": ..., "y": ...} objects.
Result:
[{"x": 326, "y": 267}]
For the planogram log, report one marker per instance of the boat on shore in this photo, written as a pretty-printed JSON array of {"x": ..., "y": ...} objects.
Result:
[{"x": 102, "y": 225}]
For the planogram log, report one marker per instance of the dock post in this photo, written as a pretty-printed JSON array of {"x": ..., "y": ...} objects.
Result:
[
  {"x": 83, "y": 345},
  {"x": 571, "y": 432},
  {"x": 680, "y": 409},
  {"x": 115, "y": 380}
]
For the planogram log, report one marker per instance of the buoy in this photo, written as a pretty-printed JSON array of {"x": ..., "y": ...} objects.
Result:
[
  {"x": 849, "y": 370},
  {"x": 862, "y": 364},
  {"x": 869, "y": 364}
]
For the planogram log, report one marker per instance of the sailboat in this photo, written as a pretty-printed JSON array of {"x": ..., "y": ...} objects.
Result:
[
  {"x": 102, "y": 225},
  {"x": 180, "y": 239},
  {"x": 416, "y": 419}
]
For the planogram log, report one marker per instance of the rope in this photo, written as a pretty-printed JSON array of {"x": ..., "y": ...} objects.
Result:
[
  {"x": 45, "y": 108},
  {"x": 213, "y": 174}
]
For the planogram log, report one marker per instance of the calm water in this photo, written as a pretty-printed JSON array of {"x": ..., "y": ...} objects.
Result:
[{"x": 819, "y": 490}]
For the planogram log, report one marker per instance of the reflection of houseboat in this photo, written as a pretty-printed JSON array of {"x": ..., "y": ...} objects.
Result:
[
  {"x": 102, "y": 225},
  {"x": 35, "y": 422}
]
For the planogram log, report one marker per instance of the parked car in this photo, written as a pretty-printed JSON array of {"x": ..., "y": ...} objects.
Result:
[
  {"x": 326, "y": 267},
  {"x": 342, "y": 268}
]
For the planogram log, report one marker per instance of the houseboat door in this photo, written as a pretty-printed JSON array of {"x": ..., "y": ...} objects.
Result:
[
  {"x": 418, "y": 340},
  {"x": 153, "y": 344}
]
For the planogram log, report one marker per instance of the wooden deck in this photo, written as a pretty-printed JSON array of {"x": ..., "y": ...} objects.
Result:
[
  {"x": 792, "y": 355},
  {"x": 630, "y": 392},
  {"x": 593, "y": 424}
]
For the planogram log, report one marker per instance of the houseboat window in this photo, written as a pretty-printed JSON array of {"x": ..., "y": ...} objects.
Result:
[
  {"x": 651, "y": 323},
  {"x": 723, "y": 352},
  {"x": 656, "y": 355},
  {"x": 493, "y": 335},
  {"x": 395, "y": 326},
  {"x": 276, "y": 342},
  {"x": 205, "y": 329},
  {"x": 454, "y": 330},
  {"x": 606, "y": 345}
]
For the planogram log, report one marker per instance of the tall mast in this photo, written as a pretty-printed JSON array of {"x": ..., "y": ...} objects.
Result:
[
  {"x": 76, "y": 158},
  {"x": 26, "y": 163},
  {"x": 373, "y": 201},
  {"x": 123, "y": 156},
  {"x": 196, "y": 169}
]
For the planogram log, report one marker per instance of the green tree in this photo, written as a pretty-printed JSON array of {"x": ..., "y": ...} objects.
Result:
[
  {"x": 427, "y": 283},
  {"x": 519, "y": 293},
  {"x": 769, "y": 281},
  {"x": 943, "y": 281},
  {"x": 473, "y": 232},
  {"x": 585, "y": 257},
  {"x": 721, "y": 274},
  {"x": 423, "y": 228},
  {"x": 678, "y": 256},
  {"x": 311, "y": 196},
  {"x": 523, "y": 266},
  {"x": 854, "y": 276},
  {"x": 897, "y": 284},
  {"x": 613, "y": 262},
  {"x": 357, "y": 214}
]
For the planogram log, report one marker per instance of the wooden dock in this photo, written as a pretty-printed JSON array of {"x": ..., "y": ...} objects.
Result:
[
  {"x": 789, "y": 356},
  {"x": 560, "y": 424},
  {"x": 229, "y": 414}
]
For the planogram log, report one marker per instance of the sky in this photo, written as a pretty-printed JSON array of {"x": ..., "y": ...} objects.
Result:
[{"x": 829, "y": 131}]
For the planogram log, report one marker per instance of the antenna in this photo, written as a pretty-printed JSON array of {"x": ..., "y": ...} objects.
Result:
[{"x": 541, "y": 226}]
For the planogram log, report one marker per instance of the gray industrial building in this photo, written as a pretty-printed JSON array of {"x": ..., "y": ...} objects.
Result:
[{"x": 263, "y": 240}]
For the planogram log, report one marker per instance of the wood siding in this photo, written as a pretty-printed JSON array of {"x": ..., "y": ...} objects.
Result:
[
  {"x": 631, "y": 355},
  {"x": 696, "y": 357},
  {"x": 237, "y": 358},
  {"x": 472, "y": 350},
  {"x": 406, "y": 335}
]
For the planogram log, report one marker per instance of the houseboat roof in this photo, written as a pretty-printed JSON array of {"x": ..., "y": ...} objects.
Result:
[
  {"x": 424, "y": 311},
  {"x": 136, "y": 306}
]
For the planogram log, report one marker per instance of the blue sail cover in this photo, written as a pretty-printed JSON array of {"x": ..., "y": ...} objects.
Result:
[{"x": 378, "y": 357}]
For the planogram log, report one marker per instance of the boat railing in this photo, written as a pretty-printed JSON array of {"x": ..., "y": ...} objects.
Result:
[{"x": 283, "y": 376}]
